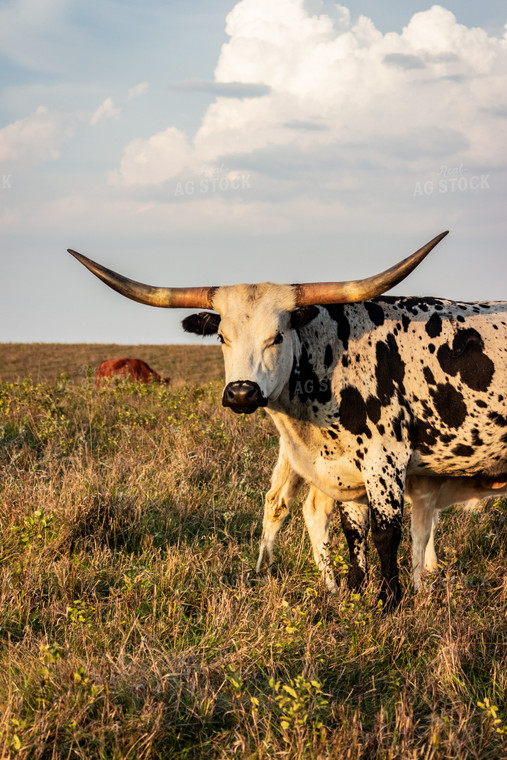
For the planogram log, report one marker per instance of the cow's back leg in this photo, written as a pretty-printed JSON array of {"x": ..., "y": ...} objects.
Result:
[
  {"x": 355, "y": 523},
  {"x": 317, "y": 511},
  {"x": 430, "y": 555},
  {"x": 424, "y": 520},
  {"x": 285, "y": 484}
]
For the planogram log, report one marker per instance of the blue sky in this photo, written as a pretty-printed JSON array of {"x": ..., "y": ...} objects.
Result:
[{"x": 205, "y": 143}]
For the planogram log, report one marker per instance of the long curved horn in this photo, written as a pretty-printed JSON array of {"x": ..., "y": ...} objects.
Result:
[
  {"x": 167, "y": 298},
  {"x": 359, "y": 290}
]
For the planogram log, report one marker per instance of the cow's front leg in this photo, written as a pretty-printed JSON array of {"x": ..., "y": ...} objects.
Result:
[
  {"x": 284, "y": 487},
  {"x": 317, "y": 511},
  {"x": 385, "y": 488},
  {"x": 386, "y": 534},
  {"x": 355, "y": 523}
]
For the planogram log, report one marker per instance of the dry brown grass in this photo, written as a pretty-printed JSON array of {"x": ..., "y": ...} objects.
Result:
[{"x": 133, "y": 626}]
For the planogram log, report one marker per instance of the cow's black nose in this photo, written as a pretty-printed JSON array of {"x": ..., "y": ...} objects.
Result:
[{"x": 243, "y": 397}]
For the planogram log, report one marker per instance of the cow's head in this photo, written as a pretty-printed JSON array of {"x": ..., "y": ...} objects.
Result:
[{"x": 256, "y": 323}]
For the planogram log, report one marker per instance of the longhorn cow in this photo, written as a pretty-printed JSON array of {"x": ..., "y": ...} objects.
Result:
[
  {"x": 135, "y": 370},
  {"x": 371, "y": 396}
]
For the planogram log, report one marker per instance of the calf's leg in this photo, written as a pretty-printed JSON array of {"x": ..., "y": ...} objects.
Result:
[
  {"x": 285, "y": 484},
  {"x": 317, "y": 511}
]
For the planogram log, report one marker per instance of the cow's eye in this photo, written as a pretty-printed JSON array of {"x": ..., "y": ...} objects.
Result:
[
  {"x": 278, "y": 339},
  {"x": 221, "y": 338}
]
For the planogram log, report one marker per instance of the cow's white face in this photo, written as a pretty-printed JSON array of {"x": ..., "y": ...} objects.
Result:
[
  {"x": 255, "y": 324},
  {"x": 257, "y": 339}
]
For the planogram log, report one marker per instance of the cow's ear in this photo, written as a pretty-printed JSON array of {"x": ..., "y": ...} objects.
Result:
[
  {"x": 204, "y": 323},
  {"x": 302, "y": 316}
]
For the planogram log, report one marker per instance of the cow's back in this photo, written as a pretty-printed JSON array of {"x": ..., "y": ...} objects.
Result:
[{"x": 449, "y": 365}]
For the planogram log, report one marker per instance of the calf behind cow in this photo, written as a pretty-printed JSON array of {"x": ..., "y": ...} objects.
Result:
[
  {"x": 367, "y": 393},
  {"x": 429, "y": 496}
]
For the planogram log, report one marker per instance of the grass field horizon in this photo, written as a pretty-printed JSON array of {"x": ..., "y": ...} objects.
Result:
[{"x": 133, "y": 625}]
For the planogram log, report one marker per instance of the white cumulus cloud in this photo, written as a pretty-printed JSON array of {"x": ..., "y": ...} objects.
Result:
[
  {"x": 106, "y": 110},
  {"x": 394, "y": 99},
  {"x": 153, "y": 161},
  {"x": 35, "y": 138},
  {"x": 138, "y": 90}
]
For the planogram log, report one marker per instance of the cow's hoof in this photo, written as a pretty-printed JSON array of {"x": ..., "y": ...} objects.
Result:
[
  {"x": 388, "y": 601},
  {"x": 356, "y": 581}
]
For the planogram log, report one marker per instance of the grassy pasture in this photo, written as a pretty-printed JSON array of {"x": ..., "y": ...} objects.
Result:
[{"x": 132, "y": 624}]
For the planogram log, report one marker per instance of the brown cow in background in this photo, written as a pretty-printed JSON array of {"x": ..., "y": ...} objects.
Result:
[{"x": 135, "y": 370}]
